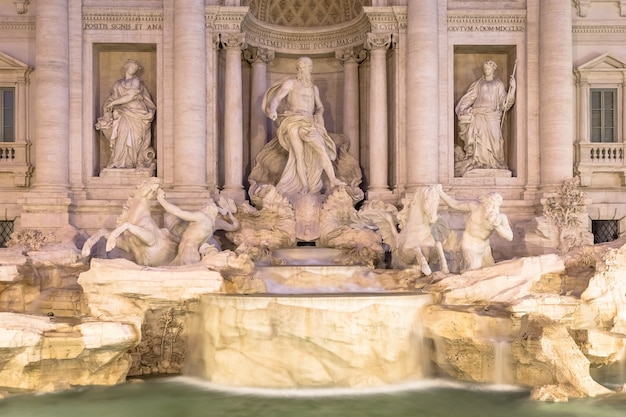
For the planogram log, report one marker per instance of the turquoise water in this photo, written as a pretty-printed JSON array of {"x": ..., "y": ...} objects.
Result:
[{"x": 185, "y": 397}]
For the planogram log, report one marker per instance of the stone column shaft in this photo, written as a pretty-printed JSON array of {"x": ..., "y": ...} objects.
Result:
[
  {"x": 422, "y": 93},
  {"x": 351, "y": 99},
  {"x": 622, "y": 128},
  {"x": 583, "y": 128},
  {"x": 556, "y": 95},
  {"x": 258, "y": 120},
  {"x": 52, "y": 103},
  {"x": 378, "y": 44},
  {"x": 21, "y": 106},
  {"x": 189, "y": 95},
  {"x": 233, "y": 121}
]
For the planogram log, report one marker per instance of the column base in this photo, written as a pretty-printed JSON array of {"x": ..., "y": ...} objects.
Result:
[
  {"x": 46, "y": 211},
  {"x": 380, "y": 193},
  {"x": 237, "y": 194}
]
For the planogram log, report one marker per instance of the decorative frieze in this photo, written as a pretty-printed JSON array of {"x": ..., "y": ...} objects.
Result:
[
  {"x": 225, "y": 19},
  {"x": 319, "y": 41},
  {"x": 599, "y": 29},
  {"x": 509, "y": 22},
  {"x": 384, "y": 19},
  {"x": 19, "y": 23},
  {"x": 116, "y": 20}
]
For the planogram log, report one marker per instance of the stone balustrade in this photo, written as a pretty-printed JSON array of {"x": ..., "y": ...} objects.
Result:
[
  {"x": 599, "y": 157},
  {"x": 15, "y": 161}
]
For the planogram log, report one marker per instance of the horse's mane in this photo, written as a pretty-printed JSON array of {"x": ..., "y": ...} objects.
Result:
[
  {"x": 421, "y": 195},
  {"x": 132, "y": 198}
]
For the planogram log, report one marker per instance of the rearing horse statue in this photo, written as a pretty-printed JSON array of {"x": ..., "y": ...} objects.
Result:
[
  {"x": 137, "y": 232},
  {"x": 420, "y": 234}
]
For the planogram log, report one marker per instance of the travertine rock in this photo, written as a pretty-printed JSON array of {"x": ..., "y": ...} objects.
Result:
[{"x": 38, "y": 352}]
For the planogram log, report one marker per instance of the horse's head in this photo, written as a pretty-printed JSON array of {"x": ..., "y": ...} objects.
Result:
[
  {"x": 428, "y": 199},
  {"x": 148, "y": 187}
]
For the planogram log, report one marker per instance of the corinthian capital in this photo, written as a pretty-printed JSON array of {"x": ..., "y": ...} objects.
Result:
[
  {"x": 379, "y": 41},
  {"x": 259, "y": 55},
  {"x": 233, "y": 40}
]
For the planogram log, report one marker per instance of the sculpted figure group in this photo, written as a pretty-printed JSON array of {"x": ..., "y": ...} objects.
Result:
[
  {"x": 303, "y": 160},
  {"x": 188, "y": 239}
]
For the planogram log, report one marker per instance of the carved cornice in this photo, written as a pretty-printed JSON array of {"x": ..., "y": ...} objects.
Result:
[
  {"x": 317, "y": 40},
  {"x": 17, "y": 23},
  {"x": 460, "y": 21},
  {"x": 116, "y": 19},
  {"x": 225, "y": 19},
  {"x": 599, "y": 28},
  {"x": 384, "y": 19}
]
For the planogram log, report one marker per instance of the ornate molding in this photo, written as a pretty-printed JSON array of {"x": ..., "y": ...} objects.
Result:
[
  {"x": 460, "y": 21},
  {"x": 18, "y": 23},
  {"x": 21, "y": 6},
  {"x": 582, "y": 7},
  {"x": 233, "y": 40},
  {"x": 225, "y": 19},
  {"x": 357, "y": 55},
  {"x": 380, "y": 41},
  {"x": 256, "y": 55},
  {"x": 599, "y": 28},
  {"x": 383, "y": 19},
  {"x": 96, "y": 19},
  {"x": 317, "y": 41}
]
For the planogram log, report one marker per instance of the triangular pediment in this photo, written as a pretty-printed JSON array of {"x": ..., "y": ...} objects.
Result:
[
  {"x": 8, "y": 63},
  {"x": 603, "y": 62}
]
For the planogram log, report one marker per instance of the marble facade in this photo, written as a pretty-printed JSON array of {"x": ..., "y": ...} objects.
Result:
[{"x": 389, "y": 72}]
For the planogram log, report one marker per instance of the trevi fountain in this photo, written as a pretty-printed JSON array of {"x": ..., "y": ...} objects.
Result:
[{"x": 310, "y": 286}]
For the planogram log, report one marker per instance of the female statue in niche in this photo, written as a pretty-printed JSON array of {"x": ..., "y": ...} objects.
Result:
[
  {"x": 480, "y": 112},
  {"x": 126, "y": 123}
]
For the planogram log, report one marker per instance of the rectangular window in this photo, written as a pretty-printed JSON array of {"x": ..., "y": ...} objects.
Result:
[
  {"x": 603, "y": 114},
  {"x": 604, "y": 230},
  {"x": 6, "y": 229},
  {"x": 7, "y": 114}
]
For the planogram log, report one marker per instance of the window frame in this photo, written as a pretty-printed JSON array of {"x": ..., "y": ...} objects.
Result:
[
  {"x": 603, "y": 128},
  {"x": 3, "y": 109}
]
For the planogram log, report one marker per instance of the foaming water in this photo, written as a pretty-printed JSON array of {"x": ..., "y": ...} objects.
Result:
[
  {"x": 417, "y": 386},
  {"x": 189, "y": 397}
]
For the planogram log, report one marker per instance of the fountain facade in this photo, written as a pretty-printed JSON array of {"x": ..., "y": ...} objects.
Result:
[{"x": 303, "y": 244}]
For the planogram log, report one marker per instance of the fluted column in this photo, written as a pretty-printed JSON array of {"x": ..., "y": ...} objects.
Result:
[
  {"x": 52, "y": 103},
  {"x": 259, "y": 58},
  {"x": 189, "y": 95},
  {"x": 583, "y": 122},
  {"x": 555, "y": 89},
  {"x": 622, "y": 130},
  {"x": 378, "y": 44},
  {"x": 233, "y": 121},
  {"x": 47, "y": 205},
  {"x": 351, "y": 60},
  {"x": 21, "y": 106},
  {"x": 422, "y": 93}
]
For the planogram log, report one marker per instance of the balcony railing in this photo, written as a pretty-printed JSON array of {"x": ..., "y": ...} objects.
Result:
[{"x": 15, "y": 161}]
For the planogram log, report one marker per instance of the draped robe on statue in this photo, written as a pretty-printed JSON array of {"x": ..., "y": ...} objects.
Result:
[
  {"x": 481, "y": 132},
  {"x": 131, "y": 135},
  {"x": 311, "y": 131}
]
